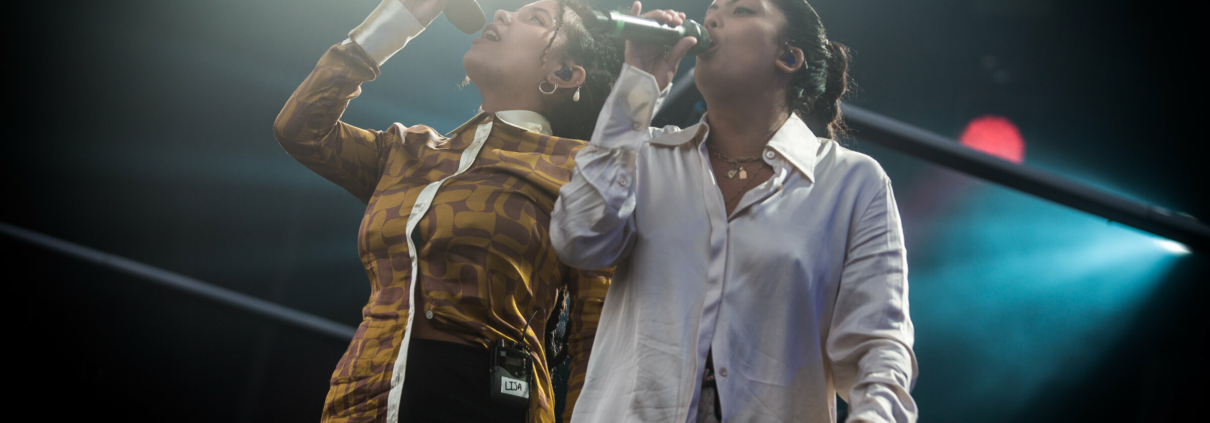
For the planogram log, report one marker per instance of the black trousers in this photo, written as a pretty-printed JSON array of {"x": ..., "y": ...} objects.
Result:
[{"x": 448, "y": 382}]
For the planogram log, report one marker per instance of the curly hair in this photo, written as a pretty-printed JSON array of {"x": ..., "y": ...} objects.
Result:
[
  {"x": 816, "y": 89},
  {"x": 599, "y": 55}
]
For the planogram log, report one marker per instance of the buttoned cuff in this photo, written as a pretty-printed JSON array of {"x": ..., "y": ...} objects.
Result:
[
  {"x": 386, "y": 31},
  {"x": 611, "y": 172}
]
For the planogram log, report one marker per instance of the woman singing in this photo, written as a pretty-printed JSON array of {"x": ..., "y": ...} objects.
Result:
[
  {"x": 761, "y": 267},
  {"x": 455, "y": 233}
]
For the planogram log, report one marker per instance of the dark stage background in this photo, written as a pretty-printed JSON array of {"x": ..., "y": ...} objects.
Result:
[{"x": 143, "y": 128}]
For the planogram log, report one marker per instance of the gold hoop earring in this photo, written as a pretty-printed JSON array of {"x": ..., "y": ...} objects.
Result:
[
  {"x": 552, "y": 90},
  {"x": 576, "y": 96}
]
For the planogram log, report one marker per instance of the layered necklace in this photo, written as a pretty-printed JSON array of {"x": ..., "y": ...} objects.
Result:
[
  {"x": 737, "y": 163},
  {"x": 737, "y": 168}
]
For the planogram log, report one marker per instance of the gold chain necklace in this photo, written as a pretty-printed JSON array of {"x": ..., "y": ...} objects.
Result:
[
  {"x": 745, "y": 187},
  {"x": 737, "y": 164}
]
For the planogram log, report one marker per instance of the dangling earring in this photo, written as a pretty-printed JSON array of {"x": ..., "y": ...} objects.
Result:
[
  {"x": 552, "y": 89},
  {"x": 576, "y": 96}
]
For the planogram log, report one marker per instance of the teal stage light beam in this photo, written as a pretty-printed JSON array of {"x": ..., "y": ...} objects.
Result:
[{"x": 1019, "y": 294}]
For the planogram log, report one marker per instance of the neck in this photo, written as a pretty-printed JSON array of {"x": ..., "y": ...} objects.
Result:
[
  {"x": 497, "y": 98},
  {"x": 741, "y": 124}
]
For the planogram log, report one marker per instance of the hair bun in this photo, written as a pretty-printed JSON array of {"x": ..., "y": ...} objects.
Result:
[{"x": 814, "y": 93}]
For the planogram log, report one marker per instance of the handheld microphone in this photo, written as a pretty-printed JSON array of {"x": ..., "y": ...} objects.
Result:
[
  {"x": 646, "y": 30},
  {"x": 466, "y": 15}
]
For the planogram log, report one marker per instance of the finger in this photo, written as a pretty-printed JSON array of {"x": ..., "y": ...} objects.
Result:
[
  {"x": 654, "y": 14},
  {"x": 674, "y": 18},
  {"x": 678, "y": 51},
  {"x": 636, "y": 8},
  {"x": 663, "y": 16}
]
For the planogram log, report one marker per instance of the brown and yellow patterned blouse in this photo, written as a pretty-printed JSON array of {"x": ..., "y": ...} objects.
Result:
[{"x": 484, "y": 254}]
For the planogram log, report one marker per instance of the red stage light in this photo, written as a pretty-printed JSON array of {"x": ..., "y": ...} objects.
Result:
[{"x": 995, "y": 135}]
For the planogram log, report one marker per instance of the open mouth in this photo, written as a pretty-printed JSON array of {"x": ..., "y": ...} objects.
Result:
[
  {"x": 713, "y": 43},
  {"x": 490, "y": 33}
]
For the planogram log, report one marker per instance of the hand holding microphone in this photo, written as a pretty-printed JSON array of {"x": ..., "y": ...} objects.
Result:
[{"x": 656, "y": 41}]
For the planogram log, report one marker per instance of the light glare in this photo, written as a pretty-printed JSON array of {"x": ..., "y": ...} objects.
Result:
[{"x": 1172, "y": 246}]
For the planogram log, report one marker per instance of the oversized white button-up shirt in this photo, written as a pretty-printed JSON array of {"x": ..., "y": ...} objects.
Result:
[{"x": 802, "y": 293}]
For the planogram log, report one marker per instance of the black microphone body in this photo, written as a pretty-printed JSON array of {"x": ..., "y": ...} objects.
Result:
[{"x": 646, "y": 30}]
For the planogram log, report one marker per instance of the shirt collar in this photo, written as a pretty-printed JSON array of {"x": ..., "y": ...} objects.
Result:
[
  {"x": 797, "y": 144},
  {"x": 524, "y": 119},
  {"x": 794, "y": 141}
]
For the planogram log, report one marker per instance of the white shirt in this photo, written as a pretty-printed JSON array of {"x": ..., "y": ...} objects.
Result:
[{"x": 802, "y": 294}]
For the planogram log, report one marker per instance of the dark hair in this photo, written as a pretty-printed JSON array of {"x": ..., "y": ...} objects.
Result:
[
  {"x": 816, "y": 90},
  {"x": 601, "y": 58}
]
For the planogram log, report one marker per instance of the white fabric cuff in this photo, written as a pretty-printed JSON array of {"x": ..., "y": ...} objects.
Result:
[
  {"x": 659, "y": 101},
  {"x": 626, "y": 116},
  {"x": 611, "y": 172},
  {"x": 388, "y": 28}
]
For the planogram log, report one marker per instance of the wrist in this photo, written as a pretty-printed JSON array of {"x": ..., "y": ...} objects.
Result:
[{"x": 386, "y": 31}]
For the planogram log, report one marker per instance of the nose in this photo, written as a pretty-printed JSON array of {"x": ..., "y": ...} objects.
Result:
[
  {"x": 502, "y": 17},
  {"x": 712, "y": 20}
]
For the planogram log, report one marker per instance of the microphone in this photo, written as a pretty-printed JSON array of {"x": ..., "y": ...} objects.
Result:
[
  {"x": 646, "y": 30},
  {"x": 466, "y": 15}
]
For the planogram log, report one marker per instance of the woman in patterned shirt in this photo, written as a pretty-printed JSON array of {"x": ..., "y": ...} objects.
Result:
[{"x": 455, "y": 233}]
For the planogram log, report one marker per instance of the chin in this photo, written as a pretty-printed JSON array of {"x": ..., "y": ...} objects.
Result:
[
  {"x": 707, "y": 77},
  {"x": 725, "y": 79},
  {"x": 473, "y": 63},
  {"x": 720, "y": 86}
]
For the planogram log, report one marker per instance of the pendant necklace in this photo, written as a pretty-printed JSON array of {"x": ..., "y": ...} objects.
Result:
[
  {"x": 745, "y": 187},
  {"x": 737, "y": 164}
]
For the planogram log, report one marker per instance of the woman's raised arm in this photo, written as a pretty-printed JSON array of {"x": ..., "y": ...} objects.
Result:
[
  {"x": 592, "y": 224},
  {"x": 309, "y": 126}
]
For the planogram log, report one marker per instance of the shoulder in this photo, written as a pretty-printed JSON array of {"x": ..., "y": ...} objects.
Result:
[
  {"x": 852, "y": 167},
  {"x": 402, "y": 131},
  {"x": 418, "y": 137}
]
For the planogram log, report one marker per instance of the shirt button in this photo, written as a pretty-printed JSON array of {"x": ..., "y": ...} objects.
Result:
[
  {"x": 623, "y": 181},
  {"x": 722, "y": 371},
  {"x": 428, "y": 314},
  {"x": 769, "y": 154},
  {"x": 637, "y": 126}
]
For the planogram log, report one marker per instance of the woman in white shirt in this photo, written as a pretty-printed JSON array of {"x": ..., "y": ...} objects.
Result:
[{"x": 750, "y": 244}]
